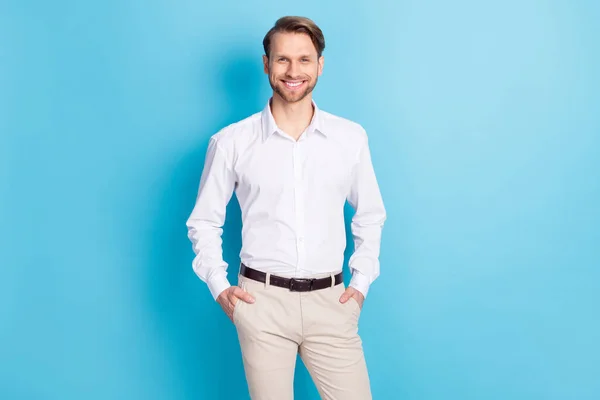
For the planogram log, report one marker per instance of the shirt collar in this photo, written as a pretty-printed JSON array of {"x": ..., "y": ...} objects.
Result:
[{"x": 269, "y": 126}]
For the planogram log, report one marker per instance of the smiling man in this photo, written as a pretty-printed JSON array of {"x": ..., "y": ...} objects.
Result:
[{"x": 292, "y": 167}]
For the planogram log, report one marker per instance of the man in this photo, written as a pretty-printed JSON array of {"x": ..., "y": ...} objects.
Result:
[{"x": 292, "y": 167}]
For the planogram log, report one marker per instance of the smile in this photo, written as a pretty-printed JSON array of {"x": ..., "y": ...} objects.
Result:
[{"x": 293, "y": 85}]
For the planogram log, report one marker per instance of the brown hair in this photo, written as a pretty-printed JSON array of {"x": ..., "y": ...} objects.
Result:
[{"x": 296, "y": 25}]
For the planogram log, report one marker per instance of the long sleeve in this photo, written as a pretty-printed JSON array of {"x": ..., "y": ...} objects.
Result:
[
  {"x": 205, "y": 224},
  {"x": 367, "y": 222}
]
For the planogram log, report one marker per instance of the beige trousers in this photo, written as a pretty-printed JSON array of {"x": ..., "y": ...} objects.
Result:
[{"x": 280, "y": 324}]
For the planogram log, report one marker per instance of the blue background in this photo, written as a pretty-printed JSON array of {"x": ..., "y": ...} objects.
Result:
[{"x": 484, "y": 119}]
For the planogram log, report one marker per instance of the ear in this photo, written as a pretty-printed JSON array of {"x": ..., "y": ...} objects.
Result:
[
  {"x": 321, "y": 64},
  {"x": 266, "y": 64}
]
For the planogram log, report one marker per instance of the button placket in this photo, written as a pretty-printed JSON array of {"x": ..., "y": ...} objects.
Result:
[{"x": 299, "y": 204}]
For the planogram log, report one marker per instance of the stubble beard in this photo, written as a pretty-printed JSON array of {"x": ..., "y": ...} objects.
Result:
[{"x": 292, "y": 97}]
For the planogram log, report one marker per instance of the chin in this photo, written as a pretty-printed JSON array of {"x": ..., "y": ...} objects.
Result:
[{"x": 293, "y": 97}]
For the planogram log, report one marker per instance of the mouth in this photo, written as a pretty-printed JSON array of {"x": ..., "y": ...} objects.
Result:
[{"x": 294, "y": 85}]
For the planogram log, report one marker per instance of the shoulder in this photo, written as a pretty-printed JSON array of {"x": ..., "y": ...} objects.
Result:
[
  {"x": 349, "y": 136},
  {"x": 238, "y": 132},
  {"x": 344, "y": 128}
]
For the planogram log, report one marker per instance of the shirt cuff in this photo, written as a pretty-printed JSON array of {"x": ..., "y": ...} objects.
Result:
[
  {"x": 217, "y": 284},
  {"x": 360, "y": 282}
]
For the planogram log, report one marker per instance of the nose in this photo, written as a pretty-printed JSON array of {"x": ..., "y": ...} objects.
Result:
[{"x": 293, "y": 69}]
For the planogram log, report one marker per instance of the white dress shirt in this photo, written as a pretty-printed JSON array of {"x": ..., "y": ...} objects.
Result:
[{"x": 292, "y": 195}]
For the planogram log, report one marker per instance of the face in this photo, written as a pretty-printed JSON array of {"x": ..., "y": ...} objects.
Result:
[{"x": 293, "y": 66}]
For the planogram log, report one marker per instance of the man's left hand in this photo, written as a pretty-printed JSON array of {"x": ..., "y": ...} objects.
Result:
[{"x": 352, "y": 292}]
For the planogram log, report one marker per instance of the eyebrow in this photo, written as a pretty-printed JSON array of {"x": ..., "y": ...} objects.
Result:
[{"x": 301, "y": 56}]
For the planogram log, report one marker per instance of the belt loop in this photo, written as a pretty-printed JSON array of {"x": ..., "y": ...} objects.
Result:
[
  {"x": 332, "y": 280},
  {"x": 268, "y": 280}
]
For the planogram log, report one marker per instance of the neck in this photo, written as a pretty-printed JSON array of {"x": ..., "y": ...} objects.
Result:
[{"x": 293, "y": 118}]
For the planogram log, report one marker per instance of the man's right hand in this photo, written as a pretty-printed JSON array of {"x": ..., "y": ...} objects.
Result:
[{"x": 229, "y": 298}]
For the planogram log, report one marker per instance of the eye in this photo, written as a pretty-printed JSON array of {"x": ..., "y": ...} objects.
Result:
[
  {"x": 282, "y": 59},
  {"x": 305, "y": 60}
]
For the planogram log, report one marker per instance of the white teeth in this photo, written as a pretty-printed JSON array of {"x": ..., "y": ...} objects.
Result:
[{"x": 293, "y": 84}]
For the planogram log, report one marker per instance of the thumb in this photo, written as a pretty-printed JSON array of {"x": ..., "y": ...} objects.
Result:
[
  {"x": 346, "y": 295},
  {"x": 245, "y": 296}
]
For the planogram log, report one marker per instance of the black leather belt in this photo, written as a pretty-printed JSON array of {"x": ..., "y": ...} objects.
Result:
[{"x": 294, "y": 284}]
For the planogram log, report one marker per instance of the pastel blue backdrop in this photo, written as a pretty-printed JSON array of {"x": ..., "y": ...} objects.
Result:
[{"x": 484, "y": 119}]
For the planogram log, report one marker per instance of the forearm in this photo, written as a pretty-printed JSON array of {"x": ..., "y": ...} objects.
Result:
[
  {"x": 364, "y": 262},
  {"x": 208, "y": 264}
]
